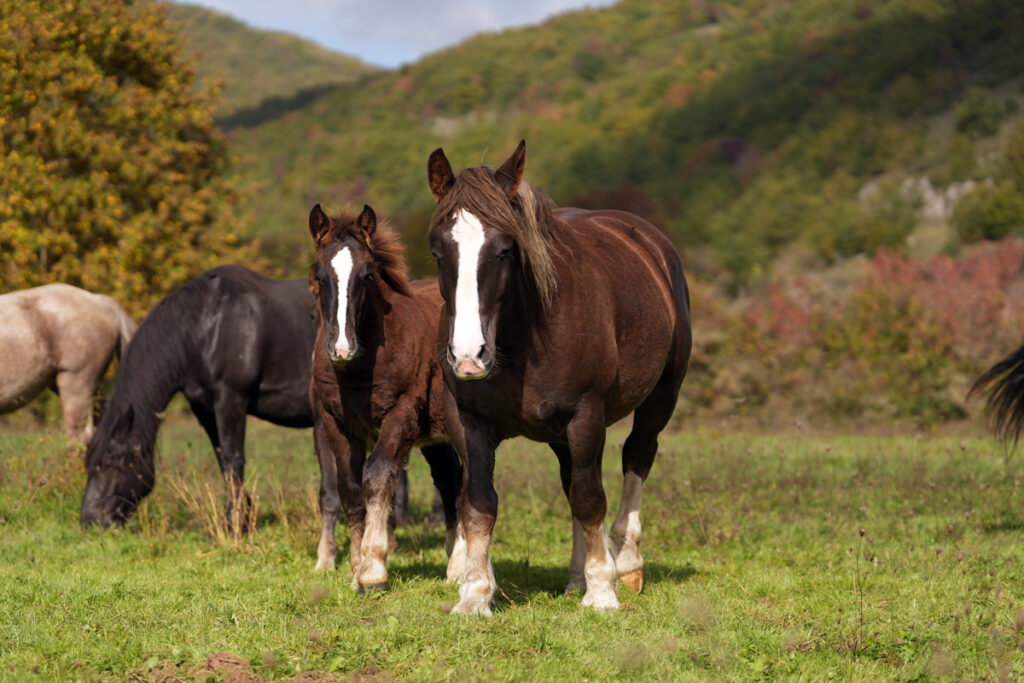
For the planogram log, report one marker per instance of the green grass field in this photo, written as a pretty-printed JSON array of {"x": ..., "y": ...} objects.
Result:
[{"x": 768, "y": 557}]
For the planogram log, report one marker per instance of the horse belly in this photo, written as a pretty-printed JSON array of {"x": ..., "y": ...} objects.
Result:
[
  {"x": 643, "y": 357},
  {"x": 25, "y": 370}
]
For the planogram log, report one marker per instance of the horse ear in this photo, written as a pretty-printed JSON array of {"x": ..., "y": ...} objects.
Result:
[
  {"x": 511, "y": 172},
  {"x": 319, "y": 223},
  {"x": 367, "y": 221},
  {"x": 439, "y": 174}
]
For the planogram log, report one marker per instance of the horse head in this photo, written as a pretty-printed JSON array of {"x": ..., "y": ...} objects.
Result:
[
  {"x": 119, "y": 469},
  {"x": 354, "y": 257},
  {"x": 487, "y": 232}
]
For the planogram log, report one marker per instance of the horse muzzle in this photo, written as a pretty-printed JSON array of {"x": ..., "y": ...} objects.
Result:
[
  {"x": 469, "y": 369},
  {"x": 341, "y": 357}
]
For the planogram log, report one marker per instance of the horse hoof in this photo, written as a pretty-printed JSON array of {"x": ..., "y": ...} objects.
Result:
[
  {"x": 367, "y": 589},
  {"x": 471, "y": 609},
  {"x": 633, "y": 580},
  {"x": 601, "y": 601}
]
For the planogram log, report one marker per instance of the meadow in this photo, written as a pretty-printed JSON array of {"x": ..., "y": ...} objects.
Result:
[{"x": 784, "y": 556}]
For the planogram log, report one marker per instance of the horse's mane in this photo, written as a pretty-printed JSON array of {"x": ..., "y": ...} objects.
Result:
[
  {"x": 527, "y": 218},
  {"x": 384, "y": 244},
  {"x": 149, "y": 373}
]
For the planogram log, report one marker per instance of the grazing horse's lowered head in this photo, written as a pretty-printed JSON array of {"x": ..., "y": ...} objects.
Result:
[
  {"x": 351, "y": 255},
  {"x": 493, "y": 229},
  {"x": 119, "y": 468}
]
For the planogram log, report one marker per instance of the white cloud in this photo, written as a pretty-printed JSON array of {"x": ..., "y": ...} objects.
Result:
[{"x": 391, "y": 32}]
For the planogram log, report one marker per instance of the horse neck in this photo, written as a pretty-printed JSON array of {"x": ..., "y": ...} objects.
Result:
[
  {"x": 370, "y": 334},
  {"x": 523, "y": 317},
  {"x": 148, "y": 387}
]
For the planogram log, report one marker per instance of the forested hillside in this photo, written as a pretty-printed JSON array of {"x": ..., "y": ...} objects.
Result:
[
  {"x": 749, "y": 129},
  {"x": 255, "y": 65}
]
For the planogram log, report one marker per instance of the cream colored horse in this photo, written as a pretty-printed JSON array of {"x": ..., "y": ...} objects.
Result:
[{"x": 61, "y": 337}]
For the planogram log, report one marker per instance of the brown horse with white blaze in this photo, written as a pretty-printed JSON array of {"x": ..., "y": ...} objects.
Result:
[
  {"x": 557, "y": 322},
  {"x": 61, "y": 337},
  {"x": 376, "y": 380}
]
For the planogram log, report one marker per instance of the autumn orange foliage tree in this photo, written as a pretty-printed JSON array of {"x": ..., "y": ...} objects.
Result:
[{"x": 113, "y": 172}]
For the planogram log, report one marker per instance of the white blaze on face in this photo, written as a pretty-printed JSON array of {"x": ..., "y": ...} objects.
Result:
[
  {"x": 342, "y": 264},
  {"x": 468, "y": 336}
]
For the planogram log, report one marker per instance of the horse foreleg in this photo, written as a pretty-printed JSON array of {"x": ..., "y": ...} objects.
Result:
[
  {"x": 478, "y": 509},
  {"x": 330, "y": 501},
  {"x": 76, "y": 390},
  {"x": 341, "y": 475},
  {"x": 380, "y": 476},
  {"x": 229, "y": 412},
  {"x": 586, "y": 434}
]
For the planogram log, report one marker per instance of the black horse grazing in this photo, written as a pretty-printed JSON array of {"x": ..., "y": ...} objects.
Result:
[
  {"x": 1004, "y": 384},
  {"x": 234, "y": 343},
  {"x": 556, "y": 323}
]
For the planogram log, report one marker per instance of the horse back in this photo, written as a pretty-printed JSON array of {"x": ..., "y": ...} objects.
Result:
[
  {"x": 624, "y": 260},
  {"x": 621, "y": 287},
  {"x": 48, "y": 330},
  {"x": 70, "y": 325},
  {"x": 255, "y": 336}
]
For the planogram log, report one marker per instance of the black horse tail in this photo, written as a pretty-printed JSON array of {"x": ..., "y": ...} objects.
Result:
[{"x": 1004, "y": 385}]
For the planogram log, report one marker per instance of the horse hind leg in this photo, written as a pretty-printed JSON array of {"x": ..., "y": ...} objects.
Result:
[
  {"x": 638, "y": 454},
  {"x": 446, "y": 474},
  {"x": 578, "y": 557}
]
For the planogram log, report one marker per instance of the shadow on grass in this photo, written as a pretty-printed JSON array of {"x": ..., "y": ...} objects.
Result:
[
  {"x": 521, "y": 581},
  {"x": 1004, "y": 520}
]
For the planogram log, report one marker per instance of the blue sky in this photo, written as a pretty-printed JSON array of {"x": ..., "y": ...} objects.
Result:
[{"x": 391, "y": 32}]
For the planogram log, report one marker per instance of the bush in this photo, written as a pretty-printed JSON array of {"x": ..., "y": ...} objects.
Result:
[
  {"x": 896, "y": 338},
  {"x": 990, "y": 212},
  {"x": 1013, "y": 157},
  {"x": 979, "y": 114}
]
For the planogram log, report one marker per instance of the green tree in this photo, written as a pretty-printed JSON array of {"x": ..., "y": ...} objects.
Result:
[{"x": 113, "y": 173}]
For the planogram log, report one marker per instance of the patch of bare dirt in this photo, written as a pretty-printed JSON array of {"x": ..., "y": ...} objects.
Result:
[
  {"x": 371, "y": 674},
  {"x": 224, "y": 667}
]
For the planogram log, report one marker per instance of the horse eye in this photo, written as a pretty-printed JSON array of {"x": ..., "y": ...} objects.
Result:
[{"x": 505, "y": 253}]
